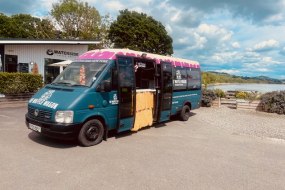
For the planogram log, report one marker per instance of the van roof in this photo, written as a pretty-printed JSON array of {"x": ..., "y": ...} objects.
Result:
[{"x": 111, "y": 54}]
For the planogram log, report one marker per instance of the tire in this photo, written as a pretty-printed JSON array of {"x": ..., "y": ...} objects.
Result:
[
  {"x": 91, "y": 133},
  {"x": 185, "y": 113}
]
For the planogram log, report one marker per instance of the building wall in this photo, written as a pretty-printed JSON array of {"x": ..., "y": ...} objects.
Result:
[{"x": 38, "y": 53}]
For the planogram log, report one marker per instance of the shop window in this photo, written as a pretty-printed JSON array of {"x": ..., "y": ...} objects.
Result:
[{"x": 23, "y": 67}]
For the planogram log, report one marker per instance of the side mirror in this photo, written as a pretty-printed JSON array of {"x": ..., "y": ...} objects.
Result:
[{"x": 104, "y": 86}]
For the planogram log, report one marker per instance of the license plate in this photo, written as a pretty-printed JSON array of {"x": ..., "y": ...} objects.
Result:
[{"x": 35, "y": 127}]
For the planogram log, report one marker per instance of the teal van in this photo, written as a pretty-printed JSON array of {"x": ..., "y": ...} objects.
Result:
[{"x": 114, "y": 89}]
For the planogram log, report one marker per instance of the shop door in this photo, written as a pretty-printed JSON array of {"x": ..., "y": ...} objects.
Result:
[
  {"x": 126, "y": 93},
  {"x": 166, "y": 92},
  {"x": 11, "y": 63}
]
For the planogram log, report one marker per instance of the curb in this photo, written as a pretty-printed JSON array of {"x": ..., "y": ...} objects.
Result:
[{"x": 13, "y": 104}]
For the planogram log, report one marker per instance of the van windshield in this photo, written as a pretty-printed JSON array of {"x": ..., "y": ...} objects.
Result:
[{"x": 80, "y": 73}]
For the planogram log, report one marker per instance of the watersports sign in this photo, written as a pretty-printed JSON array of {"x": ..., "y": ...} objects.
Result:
[{"x": 61, "y": 52}]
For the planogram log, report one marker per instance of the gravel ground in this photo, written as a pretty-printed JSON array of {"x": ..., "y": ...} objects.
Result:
[{"x": 248, "y": 122}]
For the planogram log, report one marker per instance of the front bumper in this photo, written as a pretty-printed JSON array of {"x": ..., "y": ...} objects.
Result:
[{"x": 55, "y": 130}]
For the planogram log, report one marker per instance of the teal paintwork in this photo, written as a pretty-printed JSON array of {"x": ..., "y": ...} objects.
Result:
[
  {"x": 78, "y": 99},
  {"x": 180, "y": 98},
  {"x": 126, "y": 124},
  {"x": 164, "y": 116}
]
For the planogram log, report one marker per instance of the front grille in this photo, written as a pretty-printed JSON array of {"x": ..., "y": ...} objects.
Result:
[{"x": 43, "y": 115}]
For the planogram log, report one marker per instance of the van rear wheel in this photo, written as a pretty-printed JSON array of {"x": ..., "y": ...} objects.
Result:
[
  {"x": 91, "y": 133},
  {"x": 185, "y": 113}
]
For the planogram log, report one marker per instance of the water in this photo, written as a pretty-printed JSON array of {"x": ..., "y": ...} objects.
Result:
[{"x": 263, "y": 88}]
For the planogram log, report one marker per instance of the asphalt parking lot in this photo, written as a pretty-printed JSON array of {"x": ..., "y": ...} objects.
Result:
[{"x": 173, "y": 155}]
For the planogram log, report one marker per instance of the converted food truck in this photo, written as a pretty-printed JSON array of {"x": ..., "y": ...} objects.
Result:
[{"x": 114, "y": 89}]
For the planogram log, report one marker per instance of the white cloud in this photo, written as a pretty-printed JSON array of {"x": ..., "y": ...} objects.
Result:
[
  {"x": 253, "y": 10},
  {"x": 208, "y": 37},
  {"x": 142, "y": 2},
  {"x": 169, "y": 28},
  {"x": 235, "y": 45},
  {"x": 282, "y": 51},
  {"x": 114, "y": 5},
  {"x": 229, "y": 71},
  {"x": 262, "y": 70},
  {"x": 261, "y": 64},
  {"x": 213, "y": 31},
  {"x": 270, "y": 61},
  {"x": 277, "y": 18},
  {"x": 266, "y": 45},
  {"x": 255, "y": 68}
]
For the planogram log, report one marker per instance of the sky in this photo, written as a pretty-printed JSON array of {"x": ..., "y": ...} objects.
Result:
[{"x": 240, "y": 37}]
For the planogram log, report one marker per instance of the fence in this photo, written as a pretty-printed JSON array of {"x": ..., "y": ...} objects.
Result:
[
  {"x": 249, "y": 105},
  {"x": 231, "y": 101}
]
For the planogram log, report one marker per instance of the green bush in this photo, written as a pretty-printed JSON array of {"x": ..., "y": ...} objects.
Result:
[
  {"x": 274, "y": 102},
  {"x": 220, "y": 93},
  {"x": 242, "y": 95},
  {"x": 207, "y": 97},
  {"x": 13, "y": 83},
  {"x": 247, "y": 95}
]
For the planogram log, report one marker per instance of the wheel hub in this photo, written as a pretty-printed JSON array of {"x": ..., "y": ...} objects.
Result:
[{"x": 92, "y": 133}]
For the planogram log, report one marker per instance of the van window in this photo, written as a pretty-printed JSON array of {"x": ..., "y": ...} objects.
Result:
[{"x": 194, "y": 79}]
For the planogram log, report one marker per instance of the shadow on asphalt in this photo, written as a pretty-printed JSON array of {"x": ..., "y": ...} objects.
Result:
[
  {"x": 55, "y": 143},
  {"x": 177, "y": 118},
  {"x": 158, "y": 125}
]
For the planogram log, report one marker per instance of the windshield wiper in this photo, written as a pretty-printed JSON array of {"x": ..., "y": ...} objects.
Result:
[
  {"x": 79, "y": 85},
  {"x": 65, "y": 83}
]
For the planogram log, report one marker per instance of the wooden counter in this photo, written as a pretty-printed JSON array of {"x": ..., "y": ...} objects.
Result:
[{"x": 144, "y": 108}]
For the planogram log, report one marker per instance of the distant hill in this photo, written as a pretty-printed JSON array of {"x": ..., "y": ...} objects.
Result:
[{"x": 216, "y": 77}]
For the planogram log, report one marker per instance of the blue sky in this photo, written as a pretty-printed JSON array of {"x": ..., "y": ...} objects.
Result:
[{"x": 241, "y": 37}]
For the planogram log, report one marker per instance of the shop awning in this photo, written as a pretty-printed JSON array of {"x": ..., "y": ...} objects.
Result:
[{"x": 61, "y": 64}]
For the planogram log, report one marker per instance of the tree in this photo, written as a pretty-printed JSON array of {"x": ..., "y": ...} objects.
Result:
[
  {"x": 104, "y": 32},
  {"x": 140, "y": 32},
  {"x": 77, "y": 20},
  {"x": 4, "y": 26},
  {"x": 25, "y": 26}
]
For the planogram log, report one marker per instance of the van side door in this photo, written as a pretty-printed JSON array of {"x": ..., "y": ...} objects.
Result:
[
  {"x": 126, "y": 93},
  {"x": 166, "y": 92}
]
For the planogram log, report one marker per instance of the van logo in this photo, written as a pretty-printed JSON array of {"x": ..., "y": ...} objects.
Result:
[
  {"x": 115, "y": 100},
  {"x": 50, "y": 52},
  {"x": 43, "y": 100},
  {"x": 36, "y": 112},
  {"x": 178, "y": 75}
]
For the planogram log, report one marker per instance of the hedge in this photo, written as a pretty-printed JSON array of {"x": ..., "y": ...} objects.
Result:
[
  {"x": 14, "y": 83},
  {"x": 207, "y": 97},
  {"x": 274, "y": 102}
]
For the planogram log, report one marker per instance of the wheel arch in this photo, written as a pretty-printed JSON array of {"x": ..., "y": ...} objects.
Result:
[
  {"x": 102, "y": 120},
  {"x": 188, "y": 104}
]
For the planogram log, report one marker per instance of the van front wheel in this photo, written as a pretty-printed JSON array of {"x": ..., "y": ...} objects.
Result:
[
  {"x": 185, "y": 113},
  {"x": 91, "y": 133}
]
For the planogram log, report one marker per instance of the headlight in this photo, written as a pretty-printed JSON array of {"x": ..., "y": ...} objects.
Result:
[{"x": 64, "y": 116}]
